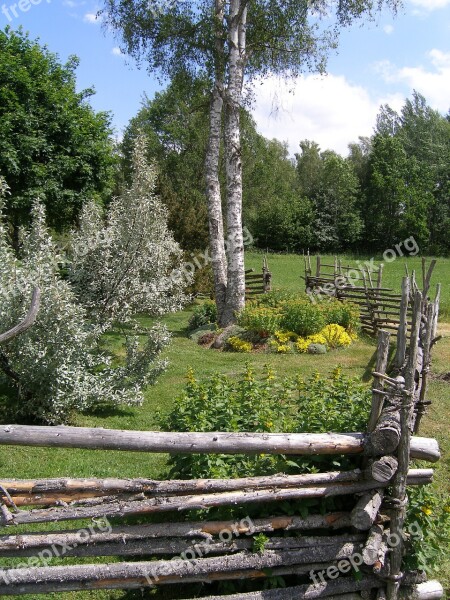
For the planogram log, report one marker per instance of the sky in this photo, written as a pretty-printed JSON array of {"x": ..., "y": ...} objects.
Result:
[{"x": 377, "y": 63}]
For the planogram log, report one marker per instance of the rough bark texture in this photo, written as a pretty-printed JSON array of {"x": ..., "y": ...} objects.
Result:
[
  {"x": 174, "y": 442},
  {"x": 235, "y": 252},
  {"x": 144, "y": 574},
  {"x": 213, "y": 192},
  {"x": 400, "y": 481},
  {"x": 27, "y": 322},
  {"x": 364, "y": 514},
  {"x": 381, "y": 364},
  {"x": 201, "y": 501}
]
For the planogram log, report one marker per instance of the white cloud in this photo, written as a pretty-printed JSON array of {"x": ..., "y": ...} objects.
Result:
[
  {"x": 117, "y": 51},
  {"x": 91, "y": 18},
  {"x": 432, "y": 82},
  {"x": 328, "y": 110},
  {"x": 430, "y": 5},
  {"x": 388, "y": 29}
]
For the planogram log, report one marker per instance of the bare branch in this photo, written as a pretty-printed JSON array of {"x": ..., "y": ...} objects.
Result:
[{"x": 27, "y": 322}]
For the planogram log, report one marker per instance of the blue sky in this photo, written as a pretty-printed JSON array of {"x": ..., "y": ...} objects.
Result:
[{"x": 377, "y": 63}]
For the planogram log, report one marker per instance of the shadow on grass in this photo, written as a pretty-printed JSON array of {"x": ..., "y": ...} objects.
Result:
[{"x": 370, "y": 368}]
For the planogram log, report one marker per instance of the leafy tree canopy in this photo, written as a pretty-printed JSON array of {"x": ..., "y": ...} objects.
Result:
[{"x": 52, "y": 143}]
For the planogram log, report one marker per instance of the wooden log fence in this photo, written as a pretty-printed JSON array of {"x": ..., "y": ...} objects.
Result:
[
  {"x": 315, "y": 552},
  {"x": 381, "y": 307},
  {"x": 258, "y": 283}
]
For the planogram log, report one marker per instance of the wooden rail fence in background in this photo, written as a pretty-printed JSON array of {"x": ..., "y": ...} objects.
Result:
[{"x": 381, "y": 307}]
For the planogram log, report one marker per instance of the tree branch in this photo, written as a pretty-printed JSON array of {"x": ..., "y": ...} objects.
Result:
[{"x": 27, "y": 322}]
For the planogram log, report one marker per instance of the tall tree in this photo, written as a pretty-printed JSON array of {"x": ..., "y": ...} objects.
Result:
[
  {"x": 227, "y": 40},
  {"x": 175, "y": 126},
  {"x": 398, "y": 197},
  {"x": 423, "y": 136},
  {"x": 52, "y": 143}
]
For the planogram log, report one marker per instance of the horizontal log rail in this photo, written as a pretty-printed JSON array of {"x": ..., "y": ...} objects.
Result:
[
  {"x": 190, "y": 530},
  {"x": 97, "y": 438},
  {"x": 159, "y": 504},
  {"x": 72, "y": 488},
  {"x": 134, "y": 575}
]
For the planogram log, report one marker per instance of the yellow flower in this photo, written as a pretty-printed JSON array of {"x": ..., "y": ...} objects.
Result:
[
  {"x": 426, "y": 510},
  {"x": 269, "y": 424}
]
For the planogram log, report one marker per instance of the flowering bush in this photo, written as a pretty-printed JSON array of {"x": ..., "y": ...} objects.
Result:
[
  {"x": 265, "y": 404},
  {"x": 56, "y": 366},
  {"x": 236, "y": 344},
  {"x": 129, "y": 262},
  {"x": 335, "y": 336},
  {"x": 302, "y": 317}
]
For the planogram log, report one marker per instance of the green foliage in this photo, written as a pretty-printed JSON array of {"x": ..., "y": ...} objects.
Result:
[
  {"x": 428, "y": 522},
  {"x": 345, "y": 314},
  {"x": 128, "y": 262},
  {"x": 203, "y": 314},
  {"x": 52, "y": 143},
  {"x": 56, "y": 366},
  {"x": 175, "y": 126},
  {"x": 260, "y": 542},
  {"x": 302, "y": 317},
  {"x": 265, "y": 404},
  {"x": 264, "y": 320}
]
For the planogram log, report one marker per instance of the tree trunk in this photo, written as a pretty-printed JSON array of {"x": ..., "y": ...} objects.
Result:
[
  {"x": 212, "y": 161},
  {"x": 235, "y": 298}
]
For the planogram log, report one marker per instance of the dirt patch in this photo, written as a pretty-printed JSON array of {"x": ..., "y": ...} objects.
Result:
[{"x": 441, "y": 376}]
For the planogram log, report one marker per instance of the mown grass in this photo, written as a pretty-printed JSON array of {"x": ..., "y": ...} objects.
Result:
[{"x": 357, "y": 360}]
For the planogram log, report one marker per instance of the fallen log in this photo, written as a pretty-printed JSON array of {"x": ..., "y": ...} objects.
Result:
[{"x": 183, "y": 503}]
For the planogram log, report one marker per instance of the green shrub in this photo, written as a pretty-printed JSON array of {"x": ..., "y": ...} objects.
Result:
[
  {"x": 345, "y": 314},
  {"x": 203, "y": 314},
  {"x": 265, "y": 404},
  {"x": 275, "y": 298},
  {"x": 302, "y": 317},
  {"x": 260, "y": 319},
  {"x": 428, "y": 524}
]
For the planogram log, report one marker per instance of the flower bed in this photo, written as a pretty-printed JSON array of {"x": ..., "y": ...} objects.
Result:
[{"x": 281, "y": 323}]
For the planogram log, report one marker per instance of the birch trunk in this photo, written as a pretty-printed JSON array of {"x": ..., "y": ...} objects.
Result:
[
  {"x": 213, "y": 193},
  {"x": 235, "y": 297}
]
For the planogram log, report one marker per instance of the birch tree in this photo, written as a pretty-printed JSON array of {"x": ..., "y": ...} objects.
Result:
[{"x": 231, "y": 42}]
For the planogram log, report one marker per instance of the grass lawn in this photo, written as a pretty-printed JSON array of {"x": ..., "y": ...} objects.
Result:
[{"x": 356, "y": 360}]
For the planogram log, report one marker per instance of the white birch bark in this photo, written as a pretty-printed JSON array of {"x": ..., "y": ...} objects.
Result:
[
  {"x": 235, "y": 297},
  {"x": 213, "y": 193}
]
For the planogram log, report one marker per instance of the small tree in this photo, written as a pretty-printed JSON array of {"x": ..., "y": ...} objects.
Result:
[
  {"x": 56, "y": 367},
  {"x": 129, "y": 263}
]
